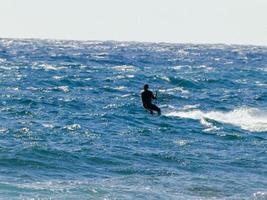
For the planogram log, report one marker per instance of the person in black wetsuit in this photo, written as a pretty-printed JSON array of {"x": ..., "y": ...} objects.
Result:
[{"x": 147, "y": 97}]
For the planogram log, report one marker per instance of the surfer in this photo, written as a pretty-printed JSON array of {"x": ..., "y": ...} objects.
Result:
[{"x": 147, "y": 97}]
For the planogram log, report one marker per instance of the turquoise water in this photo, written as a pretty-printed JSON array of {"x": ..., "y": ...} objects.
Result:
[{"x": 72, "y": 125}]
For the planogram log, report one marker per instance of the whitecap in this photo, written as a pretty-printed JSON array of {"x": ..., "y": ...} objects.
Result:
[
  {"x": 228, "y": 62},
  {"x": 181, "y": 142},
  {"x": 182, "y": 52},
  {"x": 73, "y": 127},
  {"x": 48, "y": 67},
  {"x": 165, "y": 78},
  {"x": 188, "y": 107},
  {"x": 110, "y": 106},
  {"x": 57, "y": 186},
  {"x": 130, "y": 76},
  {"x": 259, "y": 83},
  {"x": 207, "y": 68},
  {"x": 241, "y": 81},
  {"x": 13, "y": 88},
  {"x": 51, "y": 67},
  {"x": 170, "y": 107},
  {"x": 99, "y": 55},
  {"x": 178, "y": 67},
  {"x": 250, "y": 119},
  {"x": 174, "y": 90},
  {"x": 25, "y": 130},
  {"x": 58, "y": 77},
  {"x": 5, "y": 68},
  {"x": 125, "y": 95},
  {"x": 129, "y": 68},
  {"x": 120, "y": 88},
  {"x": 32, "y": 88},
  {"x": 209, "y": 125},
  {"x": 63, "y": 88},
  {"x": 118, "y": 77},
  {"x": 2, "y": 130},
  {"x": 160, "y": 49},
  {"x": 48, "y": 125},
  {"x": 260, "y": 195}
]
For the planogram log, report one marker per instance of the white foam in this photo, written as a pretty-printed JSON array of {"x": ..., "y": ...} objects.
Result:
[
  {"x": 250, "y": 119},
  {"x": 13, "y": 88},
  {"x": 73, "y": 127},
  {"x": 120, "y": 88},
  {"x": 59, "y": 186},
  {"x": 25, "y": 130},
  {"x": 63, "y": 88},
  {"x": 210, "y": 126},
  {"x": 181, "y": 142},
  {"x": 58, "y": 77},
  {"x": 125, "y": 95},
  {"x": 129, "y": 68},
  {"x": 5, "y": 68},
  {"x": 188, "y": 107},
  {"x": 182, "y": 52},
  {"x": 208, "y": 68},
  {"x": 260, "y": 195},
  {"x": 110, "y": 106},
  {"x": 161, "y": 49},
  {"x": 179, "y": 67},
  {"x": 264, "y": 69},
  {"x": 2, "y": 60},
  {"x": 51, "y": 67},
  {"x": 46, "y": 125},
  {"x": 259, "y": 83},
  {"x": 165, "y": 78},
  {"x": 32, "y": 88},
  {"x": 2, "y": 130},
  {"x": 174, "y": 90},
  {"x": 118, "y": 77}
]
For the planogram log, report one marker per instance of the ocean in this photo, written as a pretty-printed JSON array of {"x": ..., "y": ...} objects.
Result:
[{"x": 72, "y": 125}]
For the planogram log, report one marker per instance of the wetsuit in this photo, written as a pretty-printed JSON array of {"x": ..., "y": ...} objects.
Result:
[{"x": 147, "y": 97}]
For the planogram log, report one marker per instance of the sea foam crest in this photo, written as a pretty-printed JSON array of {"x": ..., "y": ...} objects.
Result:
[
  {"x": 260, "y": 195},
  {"x": 72, "y": 127},
  {"x": 48, "y": 67},
  {"x": 129, "y": 68},
  {"x": 251, "y": 119}
]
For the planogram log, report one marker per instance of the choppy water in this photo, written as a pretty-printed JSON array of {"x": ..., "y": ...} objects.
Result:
[{"x": 72, "y": 125}]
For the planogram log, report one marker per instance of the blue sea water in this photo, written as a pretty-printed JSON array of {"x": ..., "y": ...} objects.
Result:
[{"x": 72, "y": 125}]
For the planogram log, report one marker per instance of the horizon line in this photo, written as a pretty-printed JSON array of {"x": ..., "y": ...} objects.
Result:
[{"x": 132, "y": 41}]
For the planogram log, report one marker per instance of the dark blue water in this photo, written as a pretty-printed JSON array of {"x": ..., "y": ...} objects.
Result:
[{"x": 72, "y": 125}]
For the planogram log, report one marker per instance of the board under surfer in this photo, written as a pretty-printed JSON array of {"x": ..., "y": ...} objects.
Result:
[{"x": 147, "y": 97}]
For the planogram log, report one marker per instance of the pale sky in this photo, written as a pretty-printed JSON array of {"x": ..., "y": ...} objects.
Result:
[{"x": 178, "y": 21}]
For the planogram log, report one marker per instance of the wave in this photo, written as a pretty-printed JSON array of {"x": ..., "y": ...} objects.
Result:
[{"x": 250, "y": 119}]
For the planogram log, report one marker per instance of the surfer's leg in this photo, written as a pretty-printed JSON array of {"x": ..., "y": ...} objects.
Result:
[
  {"x": 149, "y": 108},
  {"x": 159, "y": 111},
  {"x": 156, "y": 108}
]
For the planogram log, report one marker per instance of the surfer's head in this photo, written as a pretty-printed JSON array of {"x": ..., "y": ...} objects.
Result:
[{"x": 146, "y": 87}]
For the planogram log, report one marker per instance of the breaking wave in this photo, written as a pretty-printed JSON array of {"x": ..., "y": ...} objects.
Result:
[{"x": 250, "y": 119}]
